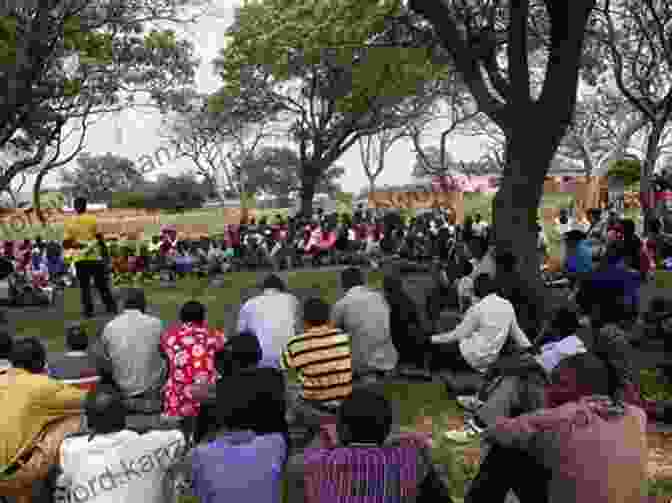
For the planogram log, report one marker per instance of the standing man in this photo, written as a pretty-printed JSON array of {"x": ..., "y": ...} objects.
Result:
[{"x": 81, "y": 234}]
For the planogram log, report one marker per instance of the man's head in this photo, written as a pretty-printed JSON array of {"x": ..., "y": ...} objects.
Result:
[
  {"x": 6, "y": 343},
  {"x": 315, "y": 313},
  {"x": 29, "y": 354},
  {"x": 240, "y": 352},
  {"x": 484, "y": 285},
  {"x": 477, "y": 218},
  {"x": 76, "y": 338},
  {"x": 352, "y": 277},
  {"x": 80, "y": 205},
  {"x": 135, "y": 299},
  {"x": 105, "y": 410},
  {"x": 273, "y": 282},
  {"x": 192, "y": 312},
  {"x": 251, "y": 403},
  {"x": 365, "y": 417}
]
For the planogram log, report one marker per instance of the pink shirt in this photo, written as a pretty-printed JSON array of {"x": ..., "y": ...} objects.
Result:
[{"x": 593, "y": 456}]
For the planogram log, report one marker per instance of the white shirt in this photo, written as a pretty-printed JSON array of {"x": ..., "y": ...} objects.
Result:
[
  {"x": 273, "y": 318},
  {"x": 554, "y": 352},
  {"x": 122, "y": 466},
  {"x": 484, "y": 331}
]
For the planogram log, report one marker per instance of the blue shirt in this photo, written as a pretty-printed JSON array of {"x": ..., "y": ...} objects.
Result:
[
  {"x": 582, "y": 259},
  {"x": 239, "y": 467}
]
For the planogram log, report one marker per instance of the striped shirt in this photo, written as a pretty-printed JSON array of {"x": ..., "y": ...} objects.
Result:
[{"x": 323, "y": 359}]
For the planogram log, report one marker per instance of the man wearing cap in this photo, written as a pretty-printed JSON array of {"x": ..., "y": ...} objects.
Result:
[{"x": 82, "y": 239}]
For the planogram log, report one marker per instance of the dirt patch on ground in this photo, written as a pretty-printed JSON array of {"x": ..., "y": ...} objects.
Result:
[{"x": 660, "y": 455}]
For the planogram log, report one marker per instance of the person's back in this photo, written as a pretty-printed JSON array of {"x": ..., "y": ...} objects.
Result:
[
  {"x": 272, "y": 317},
  {"x": 109, "y": 463},
  {"x": 365, "y": 315},
  {"x": 371, "y": 464},
  {"x": 591, "y": 444},
  {"x": 131, "y": 342},
  {"x": 31, "y": 400},
  {"x": 239, "y": 466},
  {"x": 244, "y": 459}
]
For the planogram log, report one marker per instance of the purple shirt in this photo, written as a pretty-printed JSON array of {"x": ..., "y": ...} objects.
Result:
[{"x": 239, "y": 466}]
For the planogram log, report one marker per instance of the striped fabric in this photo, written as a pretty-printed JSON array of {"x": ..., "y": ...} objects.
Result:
[
  {"x": 361, "y": 475},
  {"x": 323, "y": 358}
]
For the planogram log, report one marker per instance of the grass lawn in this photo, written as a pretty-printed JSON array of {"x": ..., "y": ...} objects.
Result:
[{"x": 415, "y": 400}]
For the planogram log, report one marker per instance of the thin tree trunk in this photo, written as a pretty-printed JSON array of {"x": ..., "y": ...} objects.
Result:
[
  {"x": 372, "y": 184},
  {"x": 308, "y": 185}
]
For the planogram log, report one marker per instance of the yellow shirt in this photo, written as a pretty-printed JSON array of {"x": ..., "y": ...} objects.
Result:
[
  {"x": 82, "y": 229},
  {"x": 29, "y": 402}
]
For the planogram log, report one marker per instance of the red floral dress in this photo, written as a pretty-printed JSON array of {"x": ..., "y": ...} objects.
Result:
[{"x": 190, "y": 349}]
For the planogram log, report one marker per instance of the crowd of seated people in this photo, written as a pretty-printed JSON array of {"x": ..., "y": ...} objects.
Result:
[{"x": 149, "y": 410}]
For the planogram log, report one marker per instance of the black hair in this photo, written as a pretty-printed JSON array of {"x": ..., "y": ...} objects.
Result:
[
  {"x": 253, "y": 401},
  {"x": 241, "y": 351},
  {"x": 135, "y": 299},
  {"x": 80, "y": 204},
  {"x": 352, "y": 277},
  {"x": 105, "y": 410},
  {"x": 466, "y": 268},
  {"x": 192, "y": 312},
  {"x": 654, "y": 226},
  {"x": 76, "y": 338},
  {"x": 273, "y": 282},
  {"x": 366, "y": 416},
  {"x": 484, "y": 285},
  {"x": 6, "y": 343},
  {"x": 628, "y": 227},
  {"x": 316, "y": 312},
  {"x": 29, "y": 354}
]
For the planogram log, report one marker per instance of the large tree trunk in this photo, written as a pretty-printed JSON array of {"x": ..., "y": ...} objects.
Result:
[{"x": 515, "y": 210}]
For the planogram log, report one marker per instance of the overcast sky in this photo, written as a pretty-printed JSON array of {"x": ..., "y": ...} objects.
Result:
[{"x": 139, "y": 129}]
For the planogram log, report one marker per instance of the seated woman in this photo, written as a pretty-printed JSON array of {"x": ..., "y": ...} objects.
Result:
[
  {"x": 190, "y": 346},
  {"x": 587, "y": 446},
  {"x": 477, "y": 341},
  {"x": 372, "y": 466},
  {"x": 243, "y": 459},
  {"x": 37, "y": 413}
]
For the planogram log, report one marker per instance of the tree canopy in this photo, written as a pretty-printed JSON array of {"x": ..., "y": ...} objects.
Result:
[
  {"x": 327, "y": 68},
  {"x": 98, "y": 177},
  {"x": 65, "y": 60}
]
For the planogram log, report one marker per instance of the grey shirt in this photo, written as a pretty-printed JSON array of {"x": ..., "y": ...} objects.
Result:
[
  {"x": 365, "y": 315},
  {"x": 131, "y": 342}
]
